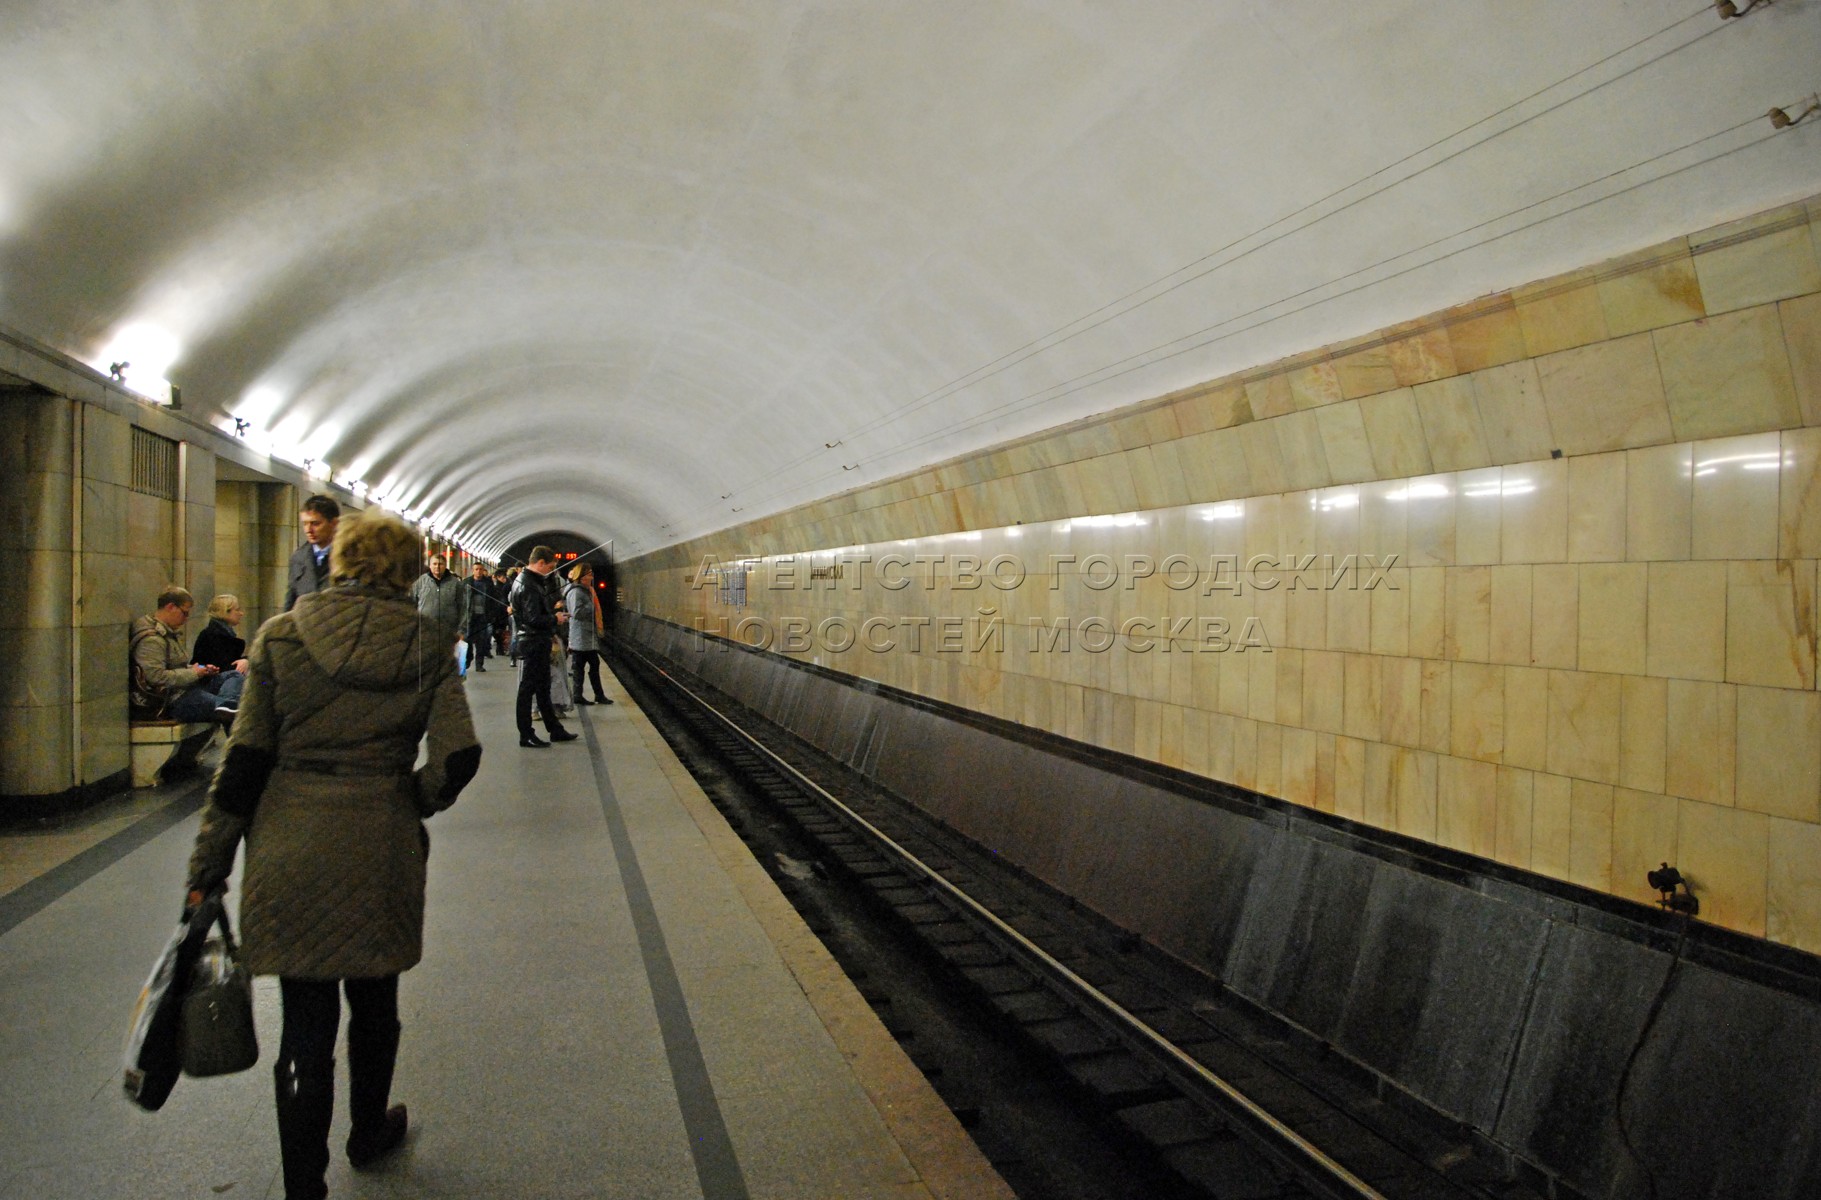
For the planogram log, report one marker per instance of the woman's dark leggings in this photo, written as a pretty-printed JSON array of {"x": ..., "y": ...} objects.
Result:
[
  {"x": 591, "y": 659},
  {"x": 304, "y": 1074}
]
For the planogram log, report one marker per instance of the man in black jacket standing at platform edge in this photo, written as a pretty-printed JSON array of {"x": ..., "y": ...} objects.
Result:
[{"x": 535, "y": 611}]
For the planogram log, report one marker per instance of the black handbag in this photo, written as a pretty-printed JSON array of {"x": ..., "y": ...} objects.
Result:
[
  {"x": 154, "y": 1056},
  {"x": 216, "y": 1035}
]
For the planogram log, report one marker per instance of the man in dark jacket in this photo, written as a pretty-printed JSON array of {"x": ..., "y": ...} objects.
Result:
[
  {"x": 481, "y": 603},
  {"x": 309, "y": 571},
  {"x": 534, "y": 611}
]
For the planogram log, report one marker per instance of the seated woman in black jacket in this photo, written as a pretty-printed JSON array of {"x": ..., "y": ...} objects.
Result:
[{"x": 220, "y": 644}]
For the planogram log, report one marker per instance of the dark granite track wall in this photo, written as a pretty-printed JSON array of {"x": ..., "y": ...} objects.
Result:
[{"x": 1507, "y": 1001}]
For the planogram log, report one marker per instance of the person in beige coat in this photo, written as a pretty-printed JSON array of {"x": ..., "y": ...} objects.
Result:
[{"x": 318, "y": 779}]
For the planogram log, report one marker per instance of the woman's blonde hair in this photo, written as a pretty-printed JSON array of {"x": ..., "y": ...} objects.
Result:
[
  {"x": 376, "y": 549},
  {"x": 578, "y": 570},
  {"x": 223, "y": 604}
]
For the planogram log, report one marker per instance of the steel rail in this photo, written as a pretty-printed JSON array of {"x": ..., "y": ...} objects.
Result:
[{"x": 1331, "y": 1172}]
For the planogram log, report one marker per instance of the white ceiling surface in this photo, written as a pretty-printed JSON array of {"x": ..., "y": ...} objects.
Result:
[{"x": 595, "y": 265}]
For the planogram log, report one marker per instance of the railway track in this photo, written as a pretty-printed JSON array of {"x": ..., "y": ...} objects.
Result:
[{"x": 1233, "y": 1102}]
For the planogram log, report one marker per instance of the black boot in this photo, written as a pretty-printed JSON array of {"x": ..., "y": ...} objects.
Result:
[
  {"x": 306, "y": 1105},
  {"x": 377, "y": 1130}
]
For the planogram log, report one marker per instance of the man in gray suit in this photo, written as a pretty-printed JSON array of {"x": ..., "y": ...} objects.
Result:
[{"x": 310, "y": 565}]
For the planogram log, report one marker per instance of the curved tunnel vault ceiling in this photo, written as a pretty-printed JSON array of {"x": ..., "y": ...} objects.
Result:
[{"x": 629, "y": 267}]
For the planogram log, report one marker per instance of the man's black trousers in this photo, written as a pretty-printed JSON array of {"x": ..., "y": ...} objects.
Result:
[{"x": 534, "y": 681}]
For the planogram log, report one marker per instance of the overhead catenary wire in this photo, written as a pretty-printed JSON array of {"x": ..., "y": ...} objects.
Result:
[
  {"x": 1068, "y": 332},
  {"x": 1168, "y": 350},
  {"x": 1156, "y": 289}
]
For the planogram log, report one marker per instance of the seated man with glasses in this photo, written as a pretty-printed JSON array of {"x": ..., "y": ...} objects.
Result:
[{"x": 166, "y": 684}]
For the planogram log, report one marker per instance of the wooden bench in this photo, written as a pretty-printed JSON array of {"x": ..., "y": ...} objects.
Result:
[{"x": 160, "y": 744}]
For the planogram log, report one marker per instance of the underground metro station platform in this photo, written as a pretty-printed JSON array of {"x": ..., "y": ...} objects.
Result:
[
  {"x": 614, "y": 1001},
  {"x": 1207, "y": 600}
]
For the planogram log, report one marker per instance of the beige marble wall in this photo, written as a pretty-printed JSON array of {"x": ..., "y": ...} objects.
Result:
[
  {"x": 1594, "y": 648},
  {"x": 84, "y": 560}
]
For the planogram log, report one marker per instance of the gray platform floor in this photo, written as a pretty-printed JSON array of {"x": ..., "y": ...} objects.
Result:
[{"x": 614, "y": 1002}]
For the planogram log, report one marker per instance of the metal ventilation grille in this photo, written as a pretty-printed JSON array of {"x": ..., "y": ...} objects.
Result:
[{"x": 154, "y": 464}]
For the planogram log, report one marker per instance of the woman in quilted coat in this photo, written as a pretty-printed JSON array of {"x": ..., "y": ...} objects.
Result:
[{"x": 318, "y": 778}]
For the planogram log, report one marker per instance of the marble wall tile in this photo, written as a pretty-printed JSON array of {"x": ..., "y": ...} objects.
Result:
[
  {"x": 1195, "y": 742},
  {"x": 1314, "y": 385},
  {"x": 46, "y": 729},
  {"x": 1148, "y": 487},
  {"x": 1467, "y": 632},
  {"x": 1550, "y": 828},
  {"x": 1394, "y": 430},
  {"x": 1725, "y": 856},
  {"x": 1364, "y": 372},
  {"x": 1245, "y": 752},
  {"x": 1510, "y": 634},
  {"x": 1555, "y": 621},
  {"x": 1450, "y": 416},
  {"x": 1400, "y": 696},
  {"x": 1261, "y": 686},
  {"x": 1560, "y": 313},
  {"x": 36, "y": 594},
  {"x": 1344, "y": 442},
  {"x": 1533, "y": 511},
  {"x": 1734, "y": 508},
  {"x": 1757, "y": 269},
  {"x": 1687, "y": 629},
  {"x": 1289, "y": 687},
  {"x": 1390, "y": 605},
  {"x": 1413, "y": 784},
  {"x": 1513, "y": 412},
  {"x": 1299, "y": 770},
  {"x": 1384, "y": 520},
  {"x": 1269, "y": 396},
  {"x": 1362, "y": 708},
  {"x": 1430, "y": 507},
  {"x": 1644, "y": 837},
  {"x": 1437, "y": 707},
  {"x": 1428, "y": 611},
  {"x": 1606, "y": 396},
  {"x": 1349, "y": 619},
  {"x": 1659, "y": 503},
  {"x": 1350, "y": 778},
  {"x": 1324, "y": 690},
  {"x": 1477, "y": 720},
  {"x": 1584, "y": 720},
  {"x": 1661, "y": 289},
  {"x": 1466, "y": 804},
  {"x": 1728, "y": 375},
  {"x": 1701, "y": 758},
  {"x": 1596, "y": 508},
  {"x": 1590, "y": 834},
  {"x": 1770, "y": 623},
  {"x": 1268, "y": 741},
  {"x": 1484, "y": 335},
  {"x": 1801, "y": 320},
  {"x": 1264, "y": 458},
  {"x": 1478, "y": 516},
  {"x": 1644, "y": 733},
  {"x": 1526, "y": 717},
  {"x": 1793, "y": 886},
  {"x": 1424, "y": 355},
  {"x": 1779, "y": 755},
  {"x": 1300, "y": 442},
  {"x": 1306, "y": 614},
  {"x": 1613, "y": 617},
  {"x": 1512, "y": 836},
  {"x": 1799, "y": 499}
]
